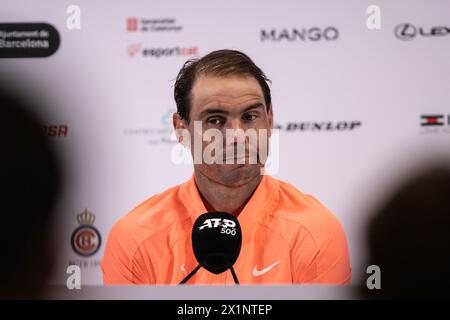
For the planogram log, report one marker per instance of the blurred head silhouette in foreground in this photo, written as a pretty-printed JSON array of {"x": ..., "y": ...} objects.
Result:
[
  {"x": 409, "y": 239},
  {"x": 31, "y": 181}
]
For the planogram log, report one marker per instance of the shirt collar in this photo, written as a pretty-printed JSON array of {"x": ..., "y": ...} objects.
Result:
[{"x": 263, "y": 201}]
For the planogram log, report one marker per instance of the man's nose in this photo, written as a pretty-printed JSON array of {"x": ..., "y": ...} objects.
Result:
[{"x": 235, "y": 131}]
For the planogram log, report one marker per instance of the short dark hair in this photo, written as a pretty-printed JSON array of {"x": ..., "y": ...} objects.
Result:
[{"x": 219, "y": 63}]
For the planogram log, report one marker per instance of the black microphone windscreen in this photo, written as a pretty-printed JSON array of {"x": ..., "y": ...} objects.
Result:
[{"x": 216, "y": 241}]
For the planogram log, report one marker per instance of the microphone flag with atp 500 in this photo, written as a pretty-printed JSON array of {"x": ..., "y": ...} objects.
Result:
[{"x": 216, "y": 242}]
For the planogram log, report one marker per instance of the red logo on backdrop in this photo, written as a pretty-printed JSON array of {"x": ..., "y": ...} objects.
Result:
[
  {"x": 56, "y": 130},
  {"x": 132, "y": 24},
  {"x": 134, "y": 49},
  {"x": 86, "y": 239},
  {"x": 432, "y": 120}
]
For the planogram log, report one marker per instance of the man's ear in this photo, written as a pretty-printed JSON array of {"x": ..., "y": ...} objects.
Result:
[
  {"x": 178, "y": 125},
  {"x": 181, "y": 130},
  {"x": 270, "y": 118},
  {"x": 176, "y": 120}
]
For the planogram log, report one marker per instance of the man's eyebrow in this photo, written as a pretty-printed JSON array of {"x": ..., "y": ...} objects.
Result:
[
  {"x": 253, "y": 106},
  {"x": 211, "y": 111},
  {"x": 222, "y": 111}
]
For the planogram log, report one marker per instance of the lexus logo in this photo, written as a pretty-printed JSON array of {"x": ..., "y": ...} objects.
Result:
[{"x": 407, "y": 31}]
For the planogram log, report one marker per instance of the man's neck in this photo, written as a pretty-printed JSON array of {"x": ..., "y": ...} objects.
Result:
[{"x": 218, "y": 197}]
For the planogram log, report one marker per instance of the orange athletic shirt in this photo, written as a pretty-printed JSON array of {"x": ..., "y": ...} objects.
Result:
[{"x": 287, "y": 237}]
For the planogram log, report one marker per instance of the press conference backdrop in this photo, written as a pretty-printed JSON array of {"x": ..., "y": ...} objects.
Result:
[{"x": 357, "y": 107}]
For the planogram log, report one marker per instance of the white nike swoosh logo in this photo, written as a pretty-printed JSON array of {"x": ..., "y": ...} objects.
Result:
[{"x": 257, "y": 273}]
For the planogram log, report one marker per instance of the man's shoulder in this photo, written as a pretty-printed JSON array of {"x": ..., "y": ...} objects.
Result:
[
  {"x": 153, "y": 216},
  {"x": 300, "y": 211}
]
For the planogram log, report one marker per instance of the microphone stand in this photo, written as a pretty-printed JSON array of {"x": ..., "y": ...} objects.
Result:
[
  {"x": 190, "y": 275},
  {"x": 236, "y": 281}
]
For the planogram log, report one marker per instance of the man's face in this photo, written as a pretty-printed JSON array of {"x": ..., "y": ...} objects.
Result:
[{"x": 231, "y": 105}]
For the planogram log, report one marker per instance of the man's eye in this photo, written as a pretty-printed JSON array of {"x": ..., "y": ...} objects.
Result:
[
  {"x": 249, "y": 117},
  {"x": 214, "y": 121}
]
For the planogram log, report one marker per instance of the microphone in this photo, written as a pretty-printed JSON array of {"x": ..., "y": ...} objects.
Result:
[{"x": 216, "y": 242}]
